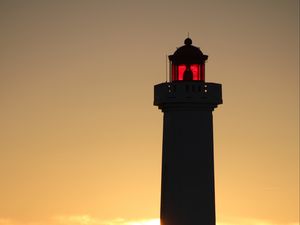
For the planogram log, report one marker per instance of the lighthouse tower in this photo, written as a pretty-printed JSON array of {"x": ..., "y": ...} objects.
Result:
[{"x": 187, "y": 102}]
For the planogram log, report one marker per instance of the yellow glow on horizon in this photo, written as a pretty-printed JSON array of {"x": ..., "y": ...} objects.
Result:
[
  {"x": 144, "y": 222},
  {"x": 77, "y": 219},
  {"x": 89, "y": 220}
]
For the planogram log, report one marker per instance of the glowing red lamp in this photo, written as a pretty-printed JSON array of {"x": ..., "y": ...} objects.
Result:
[{"x": 187, "y": 63}]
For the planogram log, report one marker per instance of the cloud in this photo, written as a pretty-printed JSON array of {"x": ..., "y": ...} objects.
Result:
[
  {"x": 89, "y": 220},
  {"x": 77, "y": 220},
  {"x": 247, "y": 221}
]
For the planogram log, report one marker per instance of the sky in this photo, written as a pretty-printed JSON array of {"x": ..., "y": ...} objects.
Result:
[{"x": 80, "y": 139}]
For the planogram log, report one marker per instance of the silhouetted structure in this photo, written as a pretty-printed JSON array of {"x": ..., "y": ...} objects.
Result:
[{"x": 187, "y": 101}]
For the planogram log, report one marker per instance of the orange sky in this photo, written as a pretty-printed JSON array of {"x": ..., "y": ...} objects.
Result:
[{"x": 80, "y": 137}]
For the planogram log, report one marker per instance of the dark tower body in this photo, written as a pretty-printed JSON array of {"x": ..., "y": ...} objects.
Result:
[{"x": 187, "y": 101}]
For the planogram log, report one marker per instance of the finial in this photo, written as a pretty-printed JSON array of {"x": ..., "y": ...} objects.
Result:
[{"x": 188, "y": 41}]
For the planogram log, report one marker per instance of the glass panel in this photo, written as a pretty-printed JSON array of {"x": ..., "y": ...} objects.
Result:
[
  {"x": 181, "y": 69},
  {"x": 202, "y": 72},
  {"x": 195, "y": 68},
  {"x": 197, "y": 72},
  {"x": 174, "y": 72}
]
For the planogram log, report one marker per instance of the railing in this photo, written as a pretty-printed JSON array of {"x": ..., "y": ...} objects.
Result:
[{"x": 188, "y": 91}]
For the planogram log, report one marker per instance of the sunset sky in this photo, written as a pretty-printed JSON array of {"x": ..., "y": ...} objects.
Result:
[{"x": 80, "y": 139}]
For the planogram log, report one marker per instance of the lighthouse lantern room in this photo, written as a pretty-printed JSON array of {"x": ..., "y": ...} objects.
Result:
[{"x": 187, "y": 63}]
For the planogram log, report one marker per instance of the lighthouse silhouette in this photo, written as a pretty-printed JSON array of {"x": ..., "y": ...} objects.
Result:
[{"x": 187, "y": 103}]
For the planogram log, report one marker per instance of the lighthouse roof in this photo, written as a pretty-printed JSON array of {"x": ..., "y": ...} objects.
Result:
[{"x": 188, "y": 54}]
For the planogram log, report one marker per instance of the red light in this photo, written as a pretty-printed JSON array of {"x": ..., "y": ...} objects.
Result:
[
  {"x": 181, "y": 69},
  {"x": 195, "y": 70}
]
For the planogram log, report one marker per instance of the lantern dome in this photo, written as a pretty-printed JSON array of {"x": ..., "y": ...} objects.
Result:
[
  {"x": 188, "y": 54},
  {"x": 187, "y": 63}
]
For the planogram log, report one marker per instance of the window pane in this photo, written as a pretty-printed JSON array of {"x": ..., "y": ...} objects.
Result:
[{"x": 181, "y": 69}]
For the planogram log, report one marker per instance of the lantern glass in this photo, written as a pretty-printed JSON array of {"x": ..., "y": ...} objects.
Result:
[
  {"x": 178, "y": 72},
  {"x": 181, "y": 69}
]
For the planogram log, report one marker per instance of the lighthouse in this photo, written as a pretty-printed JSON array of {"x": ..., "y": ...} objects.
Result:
[{"x": 187, "y": 102}]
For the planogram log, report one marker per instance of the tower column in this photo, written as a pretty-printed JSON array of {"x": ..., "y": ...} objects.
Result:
[{"x": 187, "y": 193}]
